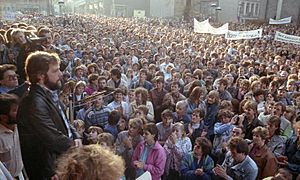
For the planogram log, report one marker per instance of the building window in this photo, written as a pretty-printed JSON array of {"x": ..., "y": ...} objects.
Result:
[{"x": 256, "y": 12}]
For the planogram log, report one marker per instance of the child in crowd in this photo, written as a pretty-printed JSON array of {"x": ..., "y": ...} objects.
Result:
[
  {"x": 222, "y": 132},
  {"x": 93, "y": 132},
  {"x": 80, "y": 127}
]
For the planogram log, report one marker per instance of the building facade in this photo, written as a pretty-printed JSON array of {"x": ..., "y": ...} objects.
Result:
[{"x": 9, "y": 8}]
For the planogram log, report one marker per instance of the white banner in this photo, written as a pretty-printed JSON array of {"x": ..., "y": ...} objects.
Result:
[
  {"x": 287, "y": 38},
  {"x": 281, "y": 21},
  {"x": 235, "y": 35},
  {"x": 205, "y": 27},
  {"x": 220, "y": 30},
  {"x": 201, "y": 27}
]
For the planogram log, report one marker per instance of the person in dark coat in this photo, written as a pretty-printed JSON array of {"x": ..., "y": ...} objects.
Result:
[{"x": 45, "y": 132}]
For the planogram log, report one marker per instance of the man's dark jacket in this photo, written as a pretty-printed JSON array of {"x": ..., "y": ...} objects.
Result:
[{"x": 43, "y": 134}]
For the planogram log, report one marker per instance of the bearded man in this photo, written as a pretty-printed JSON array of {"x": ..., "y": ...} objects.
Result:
[{"x": 45, "y": 132}]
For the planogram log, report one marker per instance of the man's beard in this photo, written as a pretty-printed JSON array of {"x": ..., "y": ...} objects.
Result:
[{"x": 51, "y": 85}]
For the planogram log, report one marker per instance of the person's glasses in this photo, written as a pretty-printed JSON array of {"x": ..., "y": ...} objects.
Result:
[{"x": 12, "y": 77}]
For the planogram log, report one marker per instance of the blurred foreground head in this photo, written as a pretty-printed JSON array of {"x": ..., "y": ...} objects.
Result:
[{"x": 90, "y": 162}]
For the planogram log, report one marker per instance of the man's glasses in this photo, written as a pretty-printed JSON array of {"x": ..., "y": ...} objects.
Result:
[{"x": 12, "y": 77}]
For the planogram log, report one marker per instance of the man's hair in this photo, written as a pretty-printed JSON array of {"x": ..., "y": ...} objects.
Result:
[
  {"x": 38, "y": 63},
  {"x": 6, "y": 100},
  {"x": 89, "y": 162},
  {"x": 239, "y": 144},
  {"x": 6, "y": 67}
]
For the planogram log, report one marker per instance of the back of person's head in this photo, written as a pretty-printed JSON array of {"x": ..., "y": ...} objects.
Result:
[
  {"x": 239, "y": 144},
  {"x": 37, "y": 63},
  {"x": 114, "y": 117},
  {"x": 90, "y": 162}
]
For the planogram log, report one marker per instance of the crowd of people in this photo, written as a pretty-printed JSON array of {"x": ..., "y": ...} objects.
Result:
[{"x": 83, "y": 97}]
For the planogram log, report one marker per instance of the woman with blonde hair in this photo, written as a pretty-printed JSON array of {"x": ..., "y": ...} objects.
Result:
[{"x": 89, "y": 162}]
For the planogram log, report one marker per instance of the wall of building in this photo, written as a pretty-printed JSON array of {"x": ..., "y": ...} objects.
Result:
[
  {"x": 125, "y": 8},
  {"x": 291, "y": 8},
  {"x": 11, "y": 6},
  {"x": 159, "y": 8},
  {"x": 229, "y": 12}
]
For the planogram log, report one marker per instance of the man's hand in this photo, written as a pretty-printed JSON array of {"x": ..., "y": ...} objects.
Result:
[
  {"x": 199, "y": 172},
  {"x": 78, "y": 143},
  {"x": 220, "y": 171}
]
